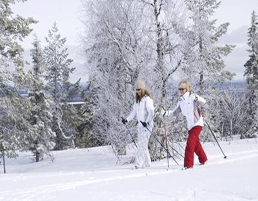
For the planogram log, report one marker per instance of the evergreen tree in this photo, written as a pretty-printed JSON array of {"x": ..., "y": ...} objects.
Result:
[
  {"x": 71, "y": 112},
  {"x": 13, "y": 108},
  {"x": 41, "y": 117},
  {"x": 203, "y": 63},
  {"x": 13, "y": 124},
  {"x": 204, "y": 58},
  {"x": 58, "y": 71},
  {"x": 12, "y": 30},
  {"x": 251, "y": 74}
]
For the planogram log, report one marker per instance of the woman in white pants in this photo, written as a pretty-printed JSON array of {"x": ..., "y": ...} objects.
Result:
[{"x": 143, "y": 109}]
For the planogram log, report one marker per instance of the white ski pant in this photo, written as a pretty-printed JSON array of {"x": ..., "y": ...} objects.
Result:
[{"x": 142, "y": 158}]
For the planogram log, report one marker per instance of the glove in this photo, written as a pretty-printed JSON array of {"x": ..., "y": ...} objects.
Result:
[
  {"x": 144, "y": 124},
  {"x": 124, "y": 121}
]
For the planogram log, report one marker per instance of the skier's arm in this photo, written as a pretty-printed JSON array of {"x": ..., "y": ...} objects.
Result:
[
  {"x": 150, "y": 109},
  {"x": 200, "y": 99},
  {"x": 175, "y": 111},
  {"x": 132, "y": 114}
]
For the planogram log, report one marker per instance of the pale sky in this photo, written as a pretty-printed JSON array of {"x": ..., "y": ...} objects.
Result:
[
  {"x": 238, "y": 14},
  {"x": 66, "y": 13}
]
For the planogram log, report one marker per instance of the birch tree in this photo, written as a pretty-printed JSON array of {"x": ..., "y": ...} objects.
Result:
[
  {"x": 232, "y": 113},
  {"x": 164, "y": 44},
  {"x": 115, "y": 51}
]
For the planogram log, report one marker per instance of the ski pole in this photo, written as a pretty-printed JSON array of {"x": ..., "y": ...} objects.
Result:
[
  {"x": 216, "y": 139},
  {"x": 197, "y": 103},
  {"x": 130, "y": 133},
  {"x": 156, "y": 138},
  {"x": 164, "y": 126}
]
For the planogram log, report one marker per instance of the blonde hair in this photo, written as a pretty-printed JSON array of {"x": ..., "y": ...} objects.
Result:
[
  {"x": 186, "y": 84},
  {"x": 143, "y": 93}
]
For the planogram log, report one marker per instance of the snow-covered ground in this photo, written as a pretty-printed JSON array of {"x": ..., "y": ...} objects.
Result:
[{"x": 95, "y": 174}]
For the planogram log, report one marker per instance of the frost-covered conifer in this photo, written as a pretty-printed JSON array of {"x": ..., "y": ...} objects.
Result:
[
  {"x": 204, "y": 63},
  {"x": 42, "y": 136},
  {"x": 13, "y": 108},
  {"x": 58, "y": 69},
  {"x": 251, "y": 74}
]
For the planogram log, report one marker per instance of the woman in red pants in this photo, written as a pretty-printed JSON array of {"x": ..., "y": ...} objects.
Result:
[{"x": 188, "y": 105}]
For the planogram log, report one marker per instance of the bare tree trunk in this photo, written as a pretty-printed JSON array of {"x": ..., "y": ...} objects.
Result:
[
  {"x": 160, "y": 49},
  {"x": 201, "y": 81},
  {"x": 161, "y": 85}
]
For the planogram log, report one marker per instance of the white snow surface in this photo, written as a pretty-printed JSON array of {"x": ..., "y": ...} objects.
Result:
[{"x": 95, "y": 174}]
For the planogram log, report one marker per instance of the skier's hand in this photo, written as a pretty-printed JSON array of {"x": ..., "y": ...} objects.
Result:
[
  {"x": 200, "y": 111},
  {"x": 163, "y": 111},
  {"x": 144, "y": 124},
  {"x": 124, "y": 121}
]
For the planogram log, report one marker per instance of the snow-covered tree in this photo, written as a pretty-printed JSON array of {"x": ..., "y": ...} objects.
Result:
[
  {"x": 251, "y": 74},
  {"x": 14, "y": 122},
  {"x": 164, "y": 45},
  {"x": 41, "y": 117},
  {"x": 71, "y": 114},
  {"x": 85, "y": 136},
  {"x": 115, "y": 51},
  {"x": 13, "y": 29},
  {"x": 125, "y": 43},
  {"x": 204, "y": 63},
  {"x": 155, "y": 40},
  {"x": 232, "y": 113},
  {"x": 58, "y": 70}
]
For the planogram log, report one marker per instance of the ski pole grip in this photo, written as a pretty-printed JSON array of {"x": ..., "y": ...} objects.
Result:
[
  {"x": 124, "y": 121},
  {"x": 164, "y": 110}
]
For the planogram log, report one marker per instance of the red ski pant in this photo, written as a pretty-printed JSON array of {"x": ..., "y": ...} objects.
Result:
[{"x": 193, "y": 145}]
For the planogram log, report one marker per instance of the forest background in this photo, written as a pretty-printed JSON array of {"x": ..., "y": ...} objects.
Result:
[{"x": 158, "y": 41}]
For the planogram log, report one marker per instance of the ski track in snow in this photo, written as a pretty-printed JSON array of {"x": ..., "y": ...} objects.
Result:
[
  {"x": 43, "y": 189},
  {"x": 124, "y": 173}
]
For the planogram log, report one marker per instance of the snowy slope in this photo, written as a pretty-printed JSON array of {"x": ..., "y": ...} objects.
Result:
[{"x": 95, "y": 174}]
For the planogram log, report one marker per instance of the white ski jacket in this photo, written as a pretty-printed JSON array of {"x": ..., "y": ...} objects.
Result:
[
  {"x": 187, "y": 104},
  {"x": 144, "y": 111}
]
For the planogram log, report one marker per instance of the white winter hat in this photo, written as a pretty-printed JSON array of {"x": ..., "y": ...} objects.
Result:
[{"x": 140, "y": 85}]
